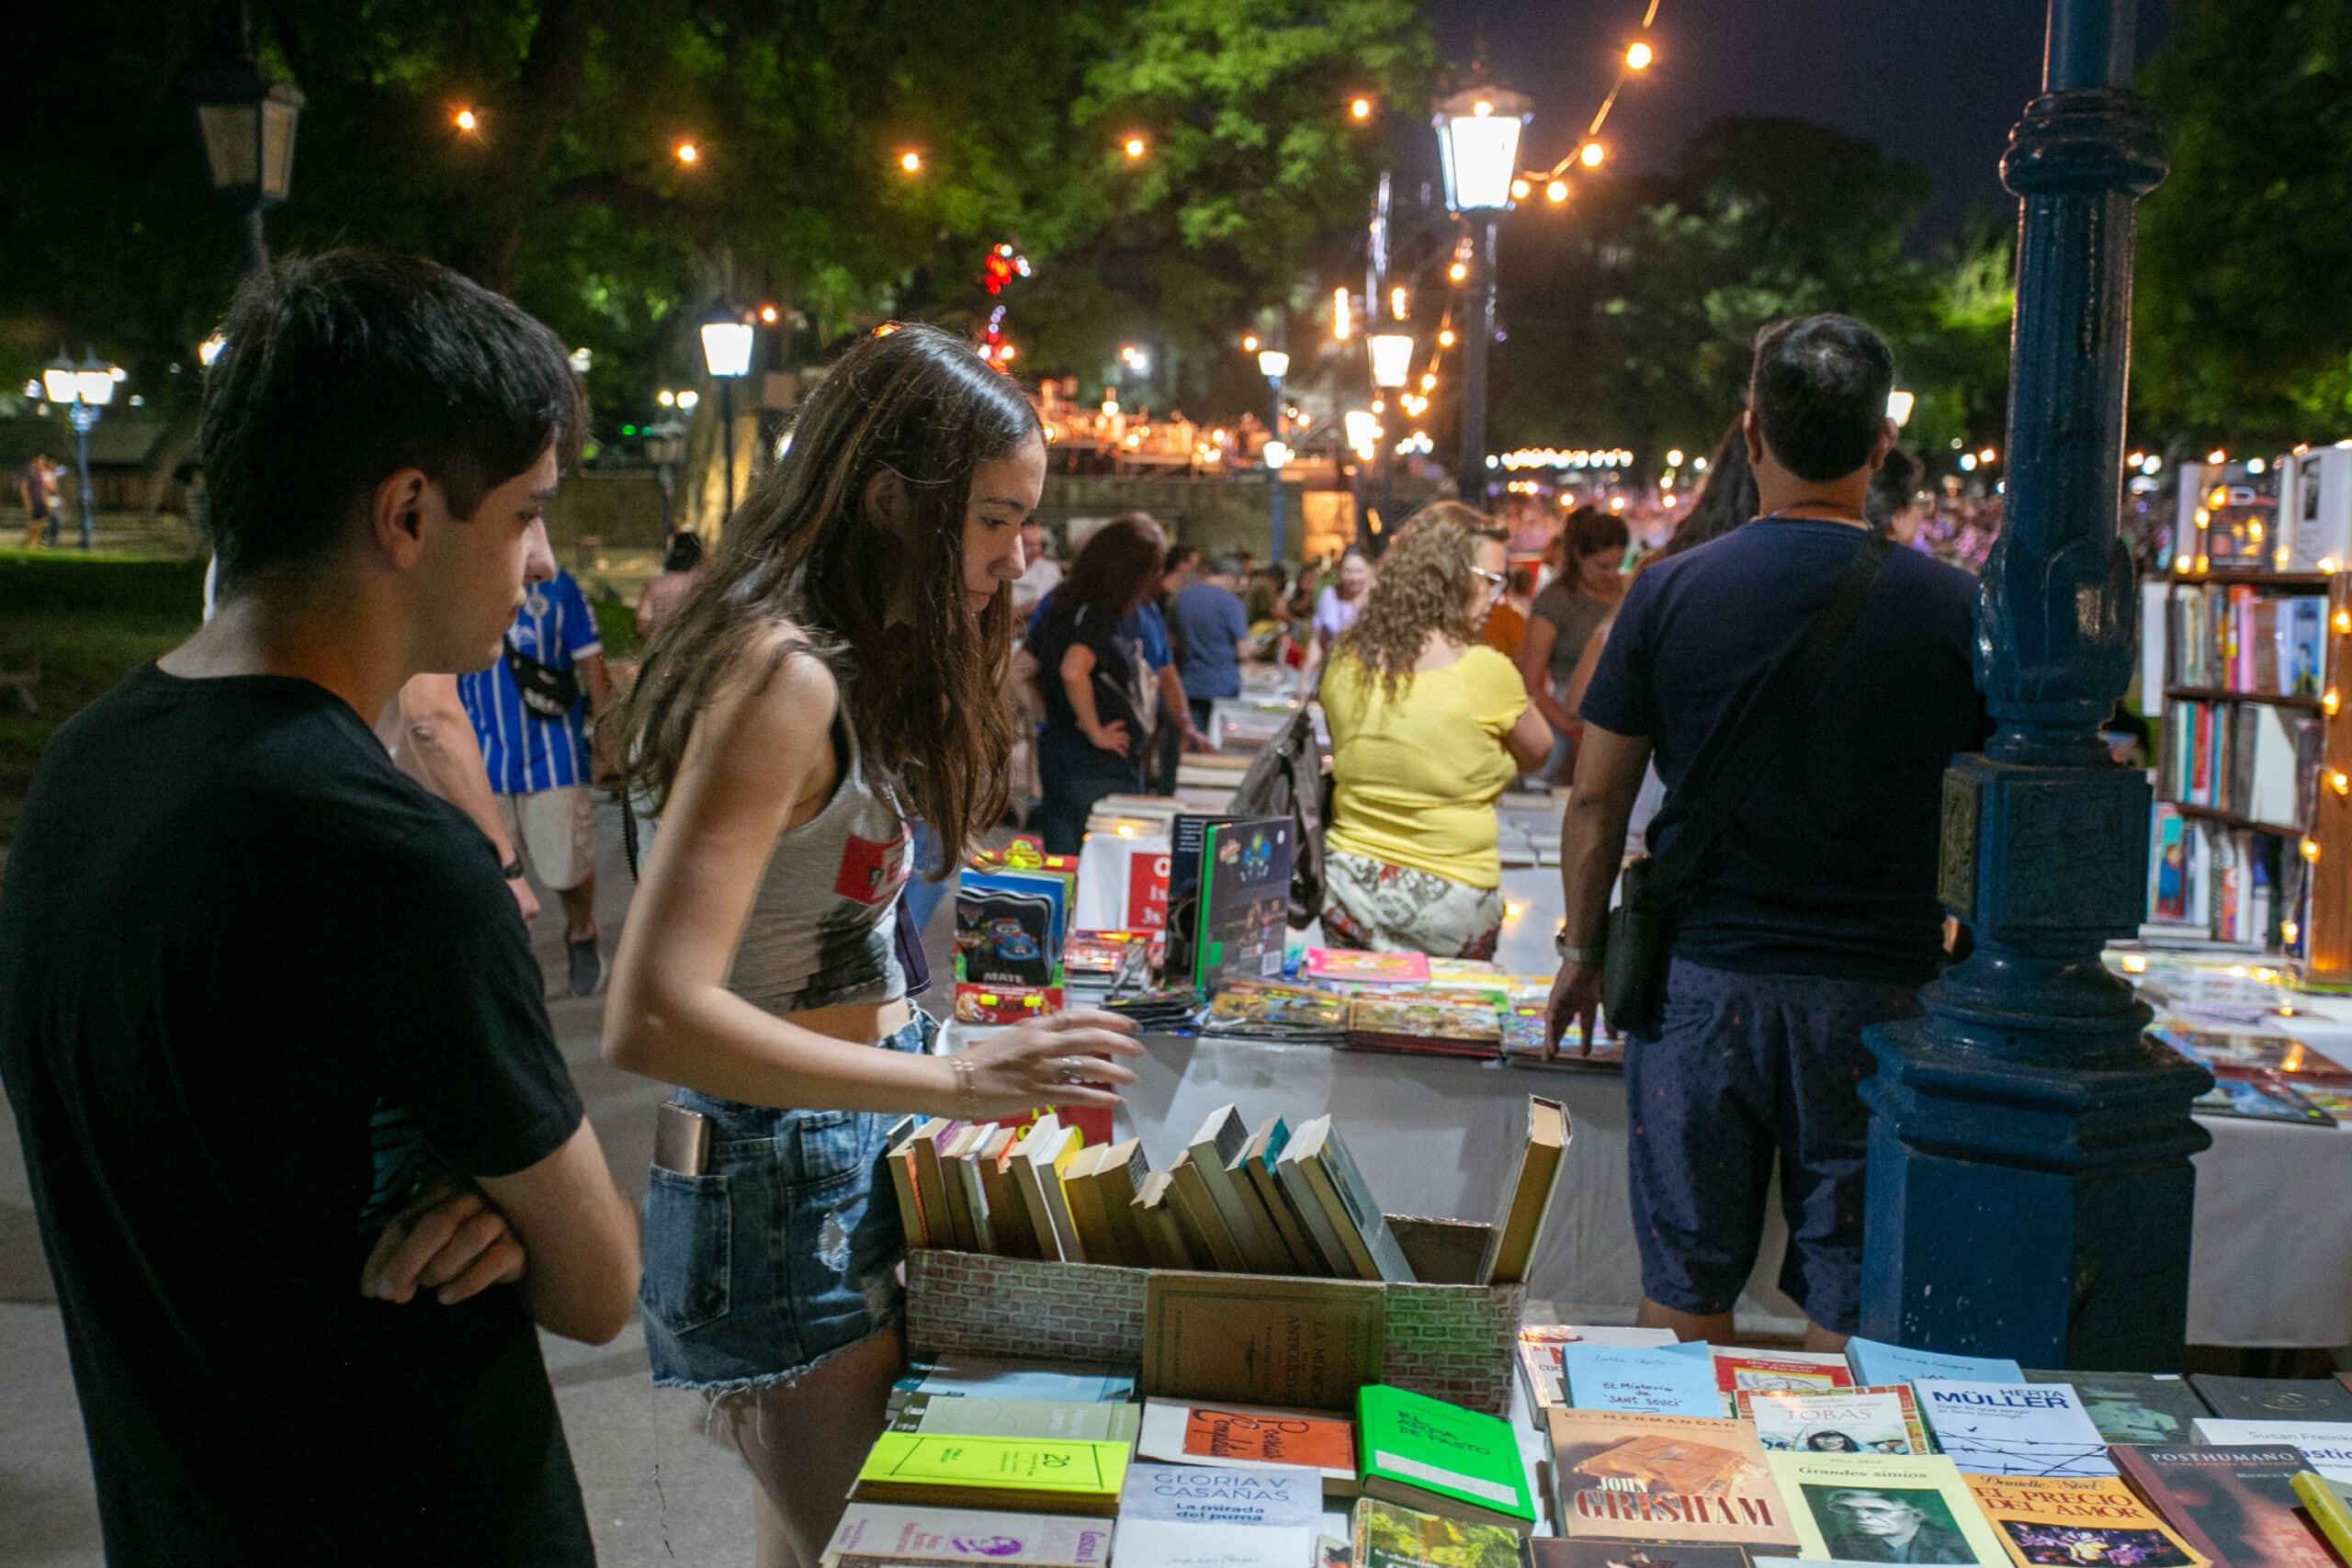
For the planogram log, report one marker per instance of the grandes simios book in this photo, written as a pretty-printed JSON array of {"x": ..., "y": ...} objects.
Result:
[
  {"x": 2068, "y": 1521},
  {"x": 2012, "y": 1428},
  {"x": 1890, "y": 1508},
  {"x": 1669, "y": 1478},
  {"x": 1842, "y": 1421}
]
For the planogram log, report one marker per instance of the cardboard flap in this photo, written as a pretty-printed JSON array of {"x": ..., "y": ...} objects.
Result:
[
  {"x": 1442, "y": 1252},
  {"x": 1301, "y": 1344}
]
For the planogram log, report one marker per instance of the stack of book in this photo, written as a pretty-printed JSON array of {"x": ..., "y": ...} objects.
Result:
[
  {"x": 2267, "y": 1075},
  {"x": 2237, "y": 638},
  {"x": 1722, "y": 1458},
  {"x": 1270, "y": 1199}
]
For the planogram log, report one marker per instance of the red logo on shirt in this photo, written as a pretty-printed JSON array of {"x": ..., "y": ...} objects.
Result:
[{"x": 871, "y": 872}]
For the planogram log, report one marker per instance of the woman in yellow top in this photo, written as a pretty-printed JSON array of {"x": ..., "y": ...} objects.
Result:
[{"x": 1429, "y": 724}]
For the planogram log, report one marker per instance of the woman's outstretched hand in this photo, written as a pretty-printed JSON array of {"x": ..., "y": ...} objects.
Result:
[{"x": 1061, "y": 1060}]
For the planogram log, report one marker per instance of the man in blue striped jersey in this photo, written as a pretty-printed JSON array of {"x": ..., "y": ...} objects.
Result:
[{"x": 528, "y": 711}]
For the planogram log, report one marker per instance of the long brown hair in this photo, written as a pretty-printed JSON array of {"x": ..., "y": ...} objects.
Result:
[
  {"x": 1113, "y": 568},
  {"x": 1423, "y": 587},
  {"x": 925, "y": 699}
]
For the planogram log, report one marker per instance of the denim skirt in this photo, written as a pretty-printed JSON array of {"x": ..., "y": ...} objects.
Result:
[{"x": 786, "y": 1248}]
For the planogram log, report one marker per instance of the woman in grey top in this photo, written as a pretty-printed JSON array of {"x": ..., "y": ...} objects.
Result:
[
  {"x": 838, "y": 673},
  {"x": 1563, "y": 617}
]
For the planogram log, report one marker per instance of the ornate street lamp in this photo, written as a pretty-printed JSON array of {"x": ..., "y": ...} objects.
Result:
[
  {"x": 84, "y": 390},
  {"x": 1391, "y": 366},
  {"x": 1273, "y": 364},
  {"x": 727, "y": 339},
  {"x": 247, "y": 123},
  {"x": 1478, "y": 143}
]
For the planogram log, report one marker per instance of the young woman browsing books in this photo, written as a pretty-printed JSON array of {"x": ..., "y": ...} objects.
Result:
[{"x": 840, "y": 674}]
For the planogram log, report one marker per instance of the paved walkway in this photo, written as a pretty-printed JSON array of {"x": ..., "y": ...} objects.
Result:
[{"x": 658, "y": 1492}]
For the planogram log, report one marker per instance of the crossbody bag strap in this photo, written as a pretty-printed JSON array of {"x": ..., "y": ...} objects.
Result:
[{"x": 1768, "y": 728}]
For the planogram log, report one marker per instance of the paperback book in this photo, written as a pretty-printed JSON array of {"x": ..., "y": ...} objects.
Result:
[
  {"x": 2133, "y": 1407},
  {"x": 1245, "y": 1498},
  {"x": 1025, "y": 1475},
  {"x": 2066, "y": 1521},
  {"x": 2274, "y": 1399},
  {"x": 1874, "y": 1361},
  {"x": 1256, "y": 1438},
  {"x": 2018, "y": 1429},
  {"x": 1245, "y": 901},
  {"x": 1214, "y": 1546},
  {"x": 1538, "y": 1357},
  {"x": 1426, "y": 1023},
  {"x": 1390, "y": 1534},
  {"x": 1670, "y": 1380},
  {"x": 1187, "y": 836},
  {"x": 1559, "y": 1553},
  {"x": 1844, "y": 1421},
  {"x": 1885, "y": 1509},
  {"x": 1347, "y": 966},
  {"x": 1440, "y": 1459},
  {"x": 975, "y": 1417},
  {"x": 878, "y": 1535},
  {"x": 2236, "y": 1504},
  {"x": 2326, "y": 1446},
  {"x": 2329, "y": 1504},
  {"x": 996, "y": 1377},
  {"x": 1664, "y": 1478},
  {"x": 1784, "y": 1371}
]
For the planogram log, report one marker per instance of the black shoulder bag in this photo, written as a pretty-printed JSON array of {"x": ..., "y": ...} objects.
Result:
[
  {"x": 547, "y": 693},
  {"x": 1291, "y": 776},
  {"x": 1641, "y": 928}
]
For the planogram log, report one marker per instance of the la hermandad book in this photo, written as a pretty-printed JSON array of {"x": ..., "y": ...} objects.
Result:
[
  {"x": 2069, "y": 1521},
  {"x": 2005, "y": 1429},
  {"x": 1664, "y": 1478},
  {"x": 1884, "y": 1509}
]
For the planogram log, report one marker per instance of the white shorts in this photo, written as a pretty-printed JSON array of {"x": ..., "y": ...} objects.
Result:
[{"x": 555, "y": 832}]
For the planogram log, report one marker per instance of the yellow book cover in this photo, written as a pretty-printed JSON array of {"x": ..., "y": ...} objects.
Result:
[
  {"x": 1884, "y": 1508},
  {"x": 2078, "y": 1521},
  {"x": 1024, "y": 1472}
]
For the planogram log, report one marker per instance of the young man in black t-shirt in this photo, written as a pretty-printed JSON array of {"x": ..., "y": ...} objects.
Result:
[
  {"x": 309, "y": 1170},
  {"x": 1815, "y": 915}
]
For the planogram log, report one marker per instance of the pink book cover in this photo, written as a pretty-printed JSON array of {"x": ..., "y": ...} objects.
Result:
[{"x": 1370, "y": 969}]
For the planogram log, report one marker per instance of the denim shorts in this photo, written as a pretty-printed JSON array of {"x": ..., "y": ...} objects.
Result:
[
  {"x": 786, "y": 1248},
  {"x": 1748, "y": 1070}
]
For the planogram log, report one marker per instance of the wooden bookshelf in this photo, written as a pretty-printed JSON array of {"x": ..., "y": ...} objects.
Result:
[
  {"x": 2216, "y": 695},
  {"x": 2253, "y": 579},
  {"x": 2231, "y": 819}
]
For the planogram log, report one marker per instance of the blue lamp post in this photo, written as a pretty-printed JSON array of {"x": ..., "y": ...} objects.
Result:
[
  {"x": 2030, "y": 1186},
  {"x": 84, "y": 390}
]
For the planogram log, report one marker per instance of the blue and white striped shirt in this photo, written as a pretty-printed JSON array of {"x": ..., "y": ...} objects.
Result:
[{"x": 521, "y": 752}]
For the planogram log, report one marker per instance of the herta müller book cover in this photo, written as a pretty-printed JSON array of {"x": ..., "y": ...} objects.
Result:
[{"x": 2012, "y": 1428}]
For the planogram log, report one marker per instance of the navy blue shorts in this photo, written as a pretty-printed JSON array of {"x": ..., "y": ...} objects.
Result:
[
  {"x": 1746, "y": 1068},
  {"x": 785, "y": 1250}
]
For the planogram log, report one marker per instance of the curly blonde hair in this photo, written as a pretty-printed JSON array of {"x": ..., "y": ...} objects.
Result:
[{"x": 1424, "y": 587}]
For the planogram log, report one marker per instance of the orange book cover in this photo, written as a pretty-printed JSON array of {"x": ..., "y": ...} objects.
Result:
[{"x": 2078, "y": 1521}]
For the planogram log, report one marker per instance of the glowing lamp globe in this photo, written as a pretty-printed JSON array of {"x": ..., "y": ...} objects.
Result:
[
  {"x": 1392, "y": 359},
  {"x": 1478, "y": 141}
]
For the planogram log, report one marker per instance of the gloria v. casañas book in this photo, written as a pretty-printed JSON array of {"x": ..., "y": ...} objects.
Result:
[{"x": 1625, "y": 1477}]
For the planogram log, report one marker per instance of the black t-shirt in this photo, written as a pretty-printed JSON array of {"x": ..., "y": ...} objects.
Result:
[
  {"x": 254, "y": 984},
  {"x": 1118, "y": 690},
  {"x": 1829, "y": 866}
]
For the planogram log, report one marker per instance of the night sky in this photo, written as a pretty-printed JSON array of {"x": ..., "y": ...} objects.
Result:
[{"x": 1936, "y": 83}]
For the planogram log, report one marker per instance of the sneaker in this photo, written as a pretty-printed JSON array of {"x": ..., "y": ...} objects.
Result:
[{"x": 587, "y": 965}]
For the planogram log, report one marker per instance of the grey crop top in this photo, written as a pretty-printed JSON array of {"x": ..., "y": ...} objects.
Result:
[{"x": 822, "y": 928}]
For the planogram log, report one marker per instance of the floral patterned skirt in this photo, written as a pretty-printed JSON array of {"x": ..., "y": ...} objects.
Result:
[{"x": 1371, "y": 904}]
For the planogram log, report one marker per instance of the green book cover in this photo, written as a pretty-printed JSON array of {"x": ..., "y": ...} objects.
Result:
[
  {"x": 1042, "y": 1418},
  {"x": 1004, "y": 1464},
  {"x": 1424, "y": 1445}
]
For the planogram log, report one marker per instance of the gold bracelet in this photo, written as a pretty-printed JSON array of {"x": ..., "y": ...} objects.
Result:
[{"x": 967, "y": 1094}]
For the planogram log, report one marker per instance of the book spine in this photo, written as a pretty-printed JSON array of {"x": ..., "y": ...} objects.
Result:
[
  {"x": 968, "y": 1177},
  {"x": 1008, "y": 1210},
  {"x": 930, "y": 1183},
  {"x": 902, "y": 1182},
  {"x": 1347, "y": 1262},
  {"x": 1303, "y": 1256},
  {"x": 1156, "y": 1223},
  {"x": 1094, "y": 1237},
  {"x": 1191, "y": 1190},
  {"x": 2327, "y": 1508}
]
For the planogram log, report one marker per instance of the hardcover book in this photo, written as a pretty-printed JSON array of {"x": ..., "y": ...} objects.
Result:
[
  {"x": 1191, "y": 1494},
  {"x": 2274, "y": 1399},
  {"x": 1886, "y": 1509},
  {"x": 1389, "y": 1535},
  {"x": 2016, "y": 1429},
  {"x": 1664, "y": 1478},
  {"x": 1672, "y": 1380},
  {"x": 1245, "y": 900},
  {"x": 1292, "y": 1344},
  {"x": 1318, "y": 1154},
  {"x": 2065, "y": 1521},
  {"x": 1844, "y": 1421},
  {"x": 947, "y": 1415},
  {"x": 1187, "y": 838},
  {"x": 1025, "y": 1475},
  {"x": 1211, "y": 1156},
  {"x": 2133, "y": 1407},
  {"x": 1878, "y": 1363},
  {"x": 1779, "y": 1372},
  {"x": 874, "y": 1534},
  {"x": 1251, "y": 1436},
  {"x": 2235, "y": 1505},
  {"x": 1440, "y": 1459},
  {"x": 1538, "y": 1357},
  {"x": 2327, "y": 1445},
  {"x": 1527, "y": 1198}
]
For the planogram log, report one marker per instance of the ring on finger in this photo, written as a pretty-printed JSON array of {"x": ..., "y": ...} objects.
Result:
[{"x": 1070, "y": 1072}]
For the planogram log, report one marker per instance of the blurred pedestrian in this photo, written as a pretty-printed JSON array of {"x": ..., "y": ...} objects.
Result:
[
  {"x": 37, "y": 493},
  {"x": 1038, "y": 577},
  {"x": 1336, "y": 609},
  {"x": 1212, "y": 634},
  {"x": 1093, "y": 677},
  {"x": 1507, "y": 628},
  {"x": 1895, "y": 503},
  {"x": 660, "y": 598},
  {"x": 1429, "y": 726},
  {"x": 1563, "y": 618}
]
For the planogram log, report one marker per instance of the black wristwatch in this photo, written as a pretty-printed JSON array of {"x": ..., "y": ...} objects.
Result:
[{"x": 513, "y": 869}]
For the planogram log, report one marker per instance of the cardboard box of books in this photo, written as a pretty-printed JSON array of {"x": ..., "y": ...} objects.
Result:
[{"x": 1256, "y": 1271}]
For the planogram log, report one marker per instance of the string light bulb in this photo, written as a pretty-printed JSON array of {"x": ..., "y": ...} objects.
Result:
[
  {"x": 1521, "y": 189},
  {"x": 767, "y": 314},
  {"x": 1361, "y": 109},
  {"x": 1591, "y": 155},
  {"x": 1399, "y": 303},
  {"x": 911, "y": 162},
  {"x": 1555, "y": 191},
  {"x": 1134, "y": 146},
  {"x": 1458, "y": 271},
  {"x": 1445, "y": 337},
  {"x": 688, "y": 153},
  {"x": 464, "y": 120},
  {"x": 1249, "y": 344},
  {"x": 2344, "y": 620},
  {"x": 1638, "y": 56}
]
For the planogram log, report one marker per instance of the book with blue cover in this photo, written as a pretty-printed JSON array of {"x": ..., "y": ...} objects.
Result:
[
  {"x": 1876, "y": 1362},
  {"x": 2020, "y": 1428},
  {"x": 1663, "y": 1380}
]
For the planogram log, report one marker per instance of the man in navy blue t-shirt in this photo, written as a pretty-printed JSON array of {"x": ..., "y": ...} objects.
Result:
[
  {"x": 1815, "y": 915},
  {"x": 1212, "y": 635}
]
